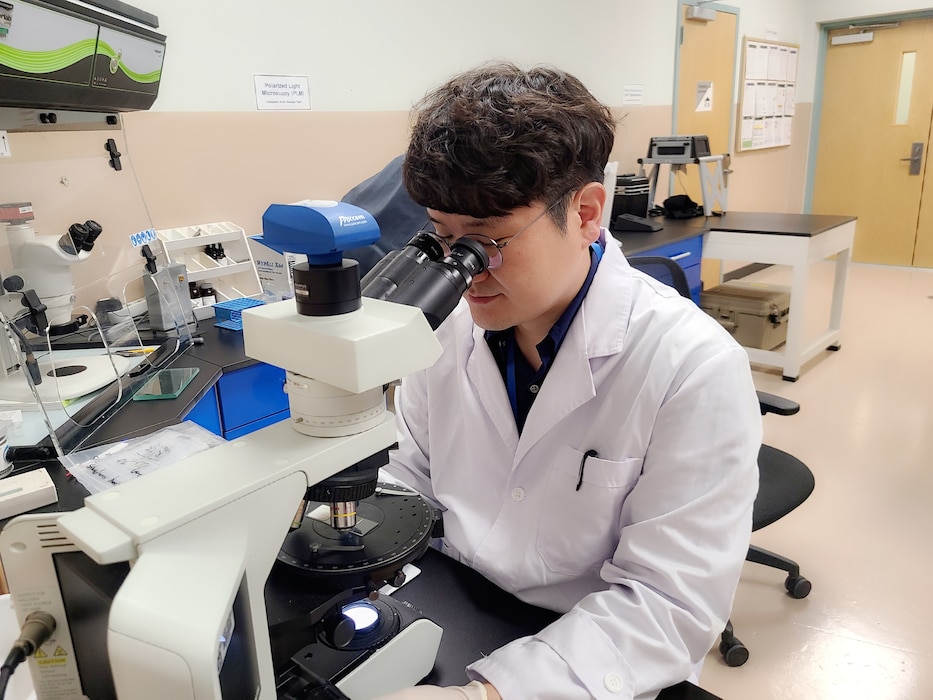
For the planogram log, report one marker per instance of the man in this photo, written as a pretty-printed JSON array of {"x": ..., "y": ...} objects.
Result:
[{"x": 591, "y": 436}]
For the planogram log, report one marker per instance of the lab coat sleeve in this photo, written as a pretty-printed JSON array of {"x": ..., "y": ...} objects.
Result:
[
  {"x": 409, "y": 464},
  {"x": 684, "y": 534}
]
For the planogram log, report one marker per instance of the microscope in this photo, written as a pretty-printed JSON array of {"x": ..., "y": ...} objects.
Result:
[
  {"x": 252, "y": 570},
  {"x": 38, "y": 296},
  {"x": 43, "y": 263}
]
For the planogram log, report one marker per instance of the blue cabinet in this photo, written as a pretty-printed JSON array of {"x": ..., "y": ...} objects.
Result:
[
  {"x": 242, "y": 401},
  {"x": 688, "y": 252}
]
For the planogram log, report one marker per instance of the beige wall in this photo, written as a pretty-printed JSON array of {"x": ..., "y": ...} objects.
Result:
[
  {"x": 186, "y": 168},
  {"x": 773, "y": 179},
  {"x": 202, "y": 167},
  {"x": 209, "y": 166}
]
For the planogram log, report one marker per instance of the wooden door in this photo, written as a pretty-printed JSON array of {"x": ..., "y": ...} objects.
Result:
[
  {"x": 707, "y": 57},
  {"x": 877, "y": 103}
]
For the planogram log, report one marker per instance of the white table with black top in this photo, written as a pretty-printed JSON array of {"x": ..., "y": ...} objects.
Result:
[{"x": 797, "y": 240}]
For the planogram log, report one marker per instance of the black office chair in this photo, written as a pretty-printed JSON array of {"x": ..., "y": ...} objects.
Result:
[
  {"x": 664, "y": 270},
  {"x": 784, "y": 482}
]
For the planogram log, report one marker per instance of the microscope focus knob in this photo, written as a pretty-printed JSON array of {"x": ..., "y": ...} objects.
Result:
[{"x": 13, "y": 283}]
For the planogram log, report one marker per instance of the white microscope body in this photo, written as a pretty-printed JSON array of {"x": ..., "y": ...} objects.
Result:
[
  {"x": 201, "y": 535},
  {"x": 44, "y": 263}
]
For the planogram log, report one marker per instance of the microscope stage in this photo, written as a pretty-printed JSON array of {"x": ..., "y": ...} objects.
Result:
[{"x": 394, "y": 530}]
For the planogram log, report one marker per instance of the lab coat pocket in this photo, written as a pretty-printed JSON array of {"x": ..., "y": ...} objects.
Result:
[{"x": 579, "y": 529}]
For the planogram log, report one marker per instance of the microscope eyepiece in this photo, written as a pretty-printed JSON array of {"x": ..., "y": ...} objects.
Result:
[
  {"x": 80, "y": 237},
  {"x": 73, "y": 241},
  {"x": 94, "y": 229}
]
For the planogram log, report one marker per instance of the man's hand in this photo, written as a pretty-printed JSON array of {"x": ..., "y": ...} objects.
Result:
[{"x": 473, "y": 691}]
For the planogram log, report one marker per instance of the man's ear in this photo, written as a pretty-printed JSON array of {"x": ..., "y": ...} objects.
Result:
[{"x": 588, "y": 205}]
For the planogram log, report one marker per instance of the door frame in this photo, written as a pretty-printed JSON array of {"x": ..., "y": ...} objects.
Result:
[
  {"x": 711, "y": 268},
  {"x": 678, "y": 41},
  {"x": 825, "y": 28}
]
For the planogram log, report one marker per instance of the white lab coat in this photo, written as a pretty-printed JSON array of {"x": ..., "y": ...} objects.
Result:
[{"x": 645, "y": 557}]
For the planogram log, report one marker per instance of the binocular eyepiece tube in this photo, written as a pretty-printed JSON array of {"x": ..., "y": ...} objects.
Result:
[{"x": 422, "y": 274}]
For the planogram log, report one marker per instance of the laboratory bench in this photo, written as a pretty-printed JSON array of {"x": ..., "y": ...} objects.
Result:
[
  {"x": 680, "y": 240},
  {"x": 231, "y": 395},
  {"x": 796, "y": 240}
]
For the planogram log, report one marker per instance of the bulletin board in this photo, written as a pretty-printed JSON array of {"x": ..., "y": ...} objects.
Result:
[{"x": 767, "y": 94}]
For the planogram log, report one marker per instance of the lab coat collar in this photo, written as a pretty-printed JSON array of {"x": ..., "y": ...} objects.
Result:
[{"x": 597, "y": 331}]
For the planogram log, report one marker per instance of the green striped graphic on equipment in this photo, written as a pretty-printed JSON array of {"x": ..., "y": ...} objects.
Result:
[
  {"x": 47, "y": 61},
  {"x": 43, "y": 62},
  {"x": 152, "y": 77}
]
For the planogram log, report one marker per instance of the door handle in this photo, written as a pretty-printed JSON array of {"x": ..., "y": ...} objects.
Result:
[{"x": 916, "y": 156}]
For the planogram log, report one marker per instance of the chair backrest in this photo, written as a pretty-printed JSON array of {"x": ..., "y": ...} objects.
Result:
[{"x": 664, "y": 270}]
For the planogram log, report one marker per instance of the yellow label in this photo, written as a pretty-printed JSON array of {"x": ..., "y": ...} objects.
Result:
[{"x": 57, "y": 661}]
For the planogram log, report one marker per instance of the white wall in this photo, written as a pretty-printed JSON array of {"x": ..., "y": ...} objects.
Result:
[
  {"x": 834, "y": 10},
  {"x": 384, "y": 54},
  {"x": 789, "y": 21},
  {"x": 373, "y": 55}
]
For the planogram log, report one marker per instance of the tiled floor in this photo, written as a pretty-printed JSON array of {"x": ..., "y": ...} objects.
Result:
[{"x": 865, "y": 536}]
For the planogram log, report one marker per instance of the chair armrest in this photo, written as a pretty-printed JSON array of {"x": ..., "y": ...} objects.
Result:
[{"x": 771, "y": 403}]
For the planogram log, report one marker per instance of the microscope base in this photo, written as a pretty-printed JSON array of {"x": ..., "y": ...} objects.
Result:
[
  {"x": 91, "y": 373},
  {"x": 403, "y": 662},
  {"x": 362, "y": 674}
]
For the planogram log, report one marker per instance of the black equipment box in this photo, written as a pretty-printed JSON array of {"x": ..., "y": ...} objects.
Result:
[
  {"x": 677, "y": 149},
  {"x": 631, "y": 196}
]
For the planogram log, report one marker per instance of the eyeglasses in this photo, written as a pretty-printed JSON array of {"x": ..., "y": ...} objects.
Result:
[{"x": 492, "y": 247}]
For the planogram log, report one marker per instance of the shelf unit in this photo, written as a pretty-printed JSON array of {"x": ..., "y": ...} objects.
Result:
[{"x": 235, "y": 280}]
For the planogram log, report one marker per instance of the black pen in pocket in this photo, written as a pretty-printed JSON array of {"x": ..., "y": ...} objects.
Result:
[{"x": 588, "y": 453}]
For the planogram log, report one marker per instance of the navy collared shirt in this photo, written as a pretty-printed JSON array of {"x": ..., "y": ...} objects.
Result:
[{"x": 521, "y": 380}]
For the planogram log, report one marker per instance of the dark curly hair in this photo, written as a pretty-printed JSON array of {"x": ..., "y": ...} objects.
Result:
[{"x": 498, "y": 137}]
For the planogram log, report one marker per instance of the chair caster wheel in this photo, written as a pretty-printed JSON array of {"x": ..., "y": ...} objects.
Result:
[
  {"x": 734, "y": 653},
  {"x": 797, "y": 586}
]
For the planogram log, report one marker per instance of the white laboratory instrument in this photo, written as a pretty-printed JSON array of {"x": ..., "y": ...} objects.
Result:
[
  {"x": 169, "y": 571},
  {"x": 40, "y": 285},
  {"x": 43, "y": 263}
]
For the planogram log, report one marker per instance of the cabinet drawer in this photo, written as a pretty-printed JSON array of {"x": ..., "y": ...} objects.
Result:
[
  {"x": 250, "y": 394},
  {"x": 686, "y": 252},
  {"x": 251, "y": 427}
]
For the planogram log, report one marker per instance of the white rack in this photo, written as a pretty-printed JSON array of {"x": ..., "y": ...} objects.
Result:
[{"x": 235, "y": 279}]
